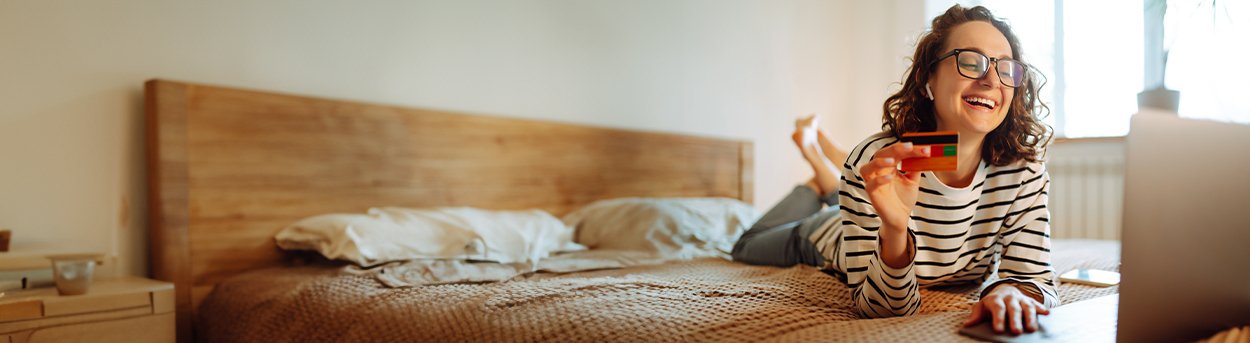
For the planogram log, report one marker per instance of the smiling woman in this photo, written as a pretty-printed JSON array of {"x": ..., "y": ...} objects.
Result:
[
  {"x": 980, "y": 101},
  {"x": 887, "y": 233}
]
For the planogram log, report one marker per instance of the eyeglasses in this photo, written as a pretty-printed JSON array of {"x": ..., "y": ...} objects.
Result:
[{"x": 974, "y": 65}]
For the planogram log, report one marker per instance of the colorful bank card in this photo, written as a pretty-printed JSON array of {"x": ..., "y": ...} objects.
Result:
[{"x": 942, "y": 151}]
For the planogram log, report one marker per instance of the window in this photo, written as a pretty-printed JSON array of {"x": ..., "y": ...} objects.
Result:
[
  {"x": 1093, "y": 55},
  {"x": 1206, "y": 42}
]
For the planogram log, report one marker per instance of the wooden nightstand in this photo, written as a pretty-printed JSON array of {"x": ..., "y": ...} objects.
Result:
[{"x": 126, "y": 309}]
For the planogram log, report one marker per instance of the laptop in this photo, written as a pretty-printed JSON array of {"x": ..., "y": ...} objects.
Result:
[
  {"x": 1185, "y": 258},
  {"x": 1185, "y": 248}
]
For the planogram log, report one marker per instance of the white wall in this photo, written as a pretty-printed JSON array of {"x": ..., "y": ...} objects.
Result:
[{"x": 71, "y": 75}]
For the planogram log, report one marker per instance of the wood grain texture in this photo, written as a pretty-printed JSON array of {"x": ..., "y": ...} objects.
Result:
[
  {"x": 228, "y": 168},
  {"x": 746, "y": 170},
  {"x": 165, "y": 111}
]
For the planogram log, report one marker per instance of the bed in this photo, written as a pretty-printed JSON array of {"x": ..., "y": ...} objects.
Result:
[{"x": 230, "y": 167}]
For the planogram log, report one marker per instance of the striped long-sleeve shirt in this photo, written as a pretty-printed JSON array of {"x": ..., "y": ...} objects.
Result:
[{"x": 996, "y": 227}]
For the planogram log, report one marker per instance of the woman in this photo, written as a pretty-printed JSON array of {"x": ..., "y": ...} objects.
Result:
[{"x": 887, "y": 233}]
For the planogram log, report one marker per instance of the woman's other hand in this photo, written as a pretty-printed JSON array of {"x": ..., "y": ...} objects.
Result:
[
  {"x": 892, "y": 192},
  {"x": 1009, "y": 310}
]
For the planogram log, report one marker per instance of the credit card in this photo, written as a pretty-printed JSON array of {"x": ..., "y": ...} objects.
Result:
[{"x": 943, "y": 154}]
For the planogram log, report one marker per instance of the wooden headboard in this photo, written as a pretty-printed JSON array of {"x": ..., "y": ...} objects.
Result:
[{"x": 228, "y": 168}]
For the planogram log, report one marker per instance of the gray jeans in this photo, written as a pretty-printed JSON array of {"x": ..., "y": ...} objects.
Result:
[{"x": 781, "y": 236}]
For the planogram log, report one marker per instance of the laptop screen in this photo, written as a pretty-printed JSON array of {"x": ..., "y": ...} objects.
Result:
[{"x": 1186, "y": 229}]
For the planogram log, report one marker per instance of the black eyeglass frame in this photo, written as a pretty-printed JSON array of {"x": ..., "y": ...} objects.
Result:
[{"x": 1024, "y": 68}]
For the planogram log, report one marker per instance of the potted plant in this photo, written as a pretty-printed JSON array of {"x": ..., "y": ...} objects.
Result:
[{"x": 1157, "y": 95}]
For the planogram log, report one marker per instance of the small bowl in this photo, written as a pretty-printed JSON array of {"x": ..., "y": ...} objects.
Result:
[{"x": 73, "y": 273}]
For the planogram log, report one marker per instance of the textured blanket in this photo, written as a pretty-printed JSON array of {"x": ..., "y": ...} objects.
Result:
[{"x": 700, "y": 300}]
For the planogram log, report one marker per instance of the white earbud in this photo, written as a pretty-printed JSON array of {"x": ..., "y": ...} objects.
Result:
[{"x": 928, "y": 91}]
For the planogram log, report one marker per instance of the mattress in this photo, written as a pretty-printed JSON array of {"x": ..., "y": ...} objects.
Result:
[{"x": 706, "y": 299}]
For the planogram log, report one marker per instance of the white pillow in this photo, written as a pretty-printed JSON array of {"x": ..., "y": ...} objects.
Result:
[
  {"x": 669, "y": 227},
  {"x": 394, "y": 234}
]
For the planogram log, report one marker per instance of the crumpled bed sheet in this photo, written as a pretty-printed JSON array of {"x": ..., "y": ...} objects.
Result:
[{"x": 437, "y": 272}]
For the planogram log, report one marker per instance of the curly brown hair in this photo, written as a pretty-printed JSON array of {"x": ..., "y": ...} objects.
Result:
[{"x": 1021, "y": 136}]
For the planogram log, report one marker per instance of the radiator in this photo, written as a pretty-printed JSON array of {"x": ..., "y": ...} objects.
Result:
[{"x": 1086, "y": 190}]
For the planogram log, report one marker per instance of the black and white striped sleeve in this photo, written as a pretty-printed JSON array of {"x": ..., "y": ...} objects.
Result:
[
  {"x": 1026, "y": 240},
  {"x": 879, "y": 290}
]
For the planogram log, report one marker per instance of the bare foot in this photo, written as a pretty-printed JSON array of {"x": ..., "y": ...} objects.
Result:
[
  {"x": 832, "y": 151},
  {"x": 802, "y": 127},
  {"x": 827, "y": 175},
  {"x": 806, "y": 122}
]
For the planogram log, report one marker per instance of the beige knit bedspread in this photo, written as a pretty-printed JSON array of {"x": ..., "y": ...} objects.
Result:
[{"x": 700, "y": 300}]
